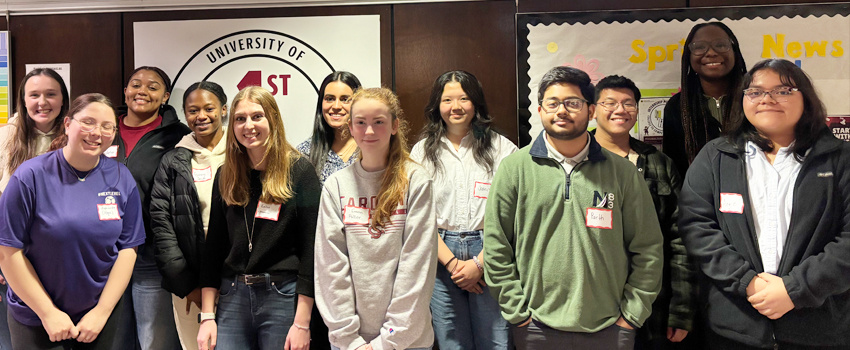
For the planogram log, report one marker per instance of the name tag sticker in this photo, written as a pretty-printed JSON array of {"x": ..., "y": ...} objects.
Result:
[
  {"x": 202, "y": 175},
  {"x": 481, "y": 190},
  {"x": 599, "y": 218},
  {"x": 111, "y": 152},
  {"x": 731, "y": 203},
  {"x": 108, "y": 212},
  {"x": 355, "y": 215},
  {"x": 268, "y": 211}
]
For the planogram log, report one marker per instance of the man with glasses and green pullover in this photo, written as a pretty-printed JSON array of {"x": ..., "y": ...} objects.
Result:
[{"x": 572, "y": 244}]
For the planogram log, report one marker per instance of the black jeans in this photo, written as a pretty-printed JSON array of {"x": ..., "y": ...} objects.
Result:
[{"x": 36, "y": 338}]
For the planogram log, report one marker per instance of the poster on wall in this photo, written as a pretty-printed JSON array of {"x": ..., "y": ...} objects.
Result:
[
  {"x": 5, "y": 79},
  {"x": 63, "y": 69},
  {"x": 646, "y": 46},
  {"x": 288, "y": 56}
]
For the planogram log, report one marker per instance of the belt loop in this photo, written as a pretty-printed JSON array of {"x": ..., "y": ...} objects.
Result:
[
  {"x": 442, "y": 233},
  {"x": 268, "y": 281}
]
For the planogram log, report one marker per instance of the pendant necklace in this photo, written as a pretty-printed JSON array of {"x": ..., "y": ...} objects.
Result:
[
  {"x": 250, "y": 232},
  {"x": 77, "y": 175}
]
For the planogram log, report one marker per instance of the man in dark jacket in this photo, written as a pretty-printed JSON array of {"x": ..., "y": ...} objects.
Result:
[{"x": 616, "y": 113}]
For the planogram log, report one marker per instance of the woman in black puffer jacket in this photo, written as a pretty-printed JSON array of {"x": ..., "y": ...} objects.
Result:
[{"x": 180, "y": 200}]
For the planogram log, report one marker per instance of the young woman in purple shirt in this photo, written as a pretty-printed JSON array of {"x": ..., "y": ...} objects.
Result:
[{"x": 70, "y": 222}]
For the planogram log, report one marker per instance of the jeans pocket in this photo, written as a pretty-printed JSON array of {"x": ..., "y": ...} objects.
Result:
[
  {"x": 228, "y": 285},
  {"x": 286, "y": 288}
]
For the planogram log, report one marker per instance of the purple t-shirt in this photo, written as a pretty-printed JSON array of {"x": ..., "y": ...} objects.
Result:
[{"x": 70, "y": 230}]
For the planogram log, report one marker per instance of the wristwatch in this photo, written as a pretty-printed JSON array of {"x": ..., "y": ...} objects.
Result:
[{"x": 203, "y": 316}]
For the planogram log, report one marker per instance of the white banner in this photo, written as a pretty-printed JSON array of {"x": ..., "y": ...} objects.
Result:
[
  {"x": 288, "y": 56},
  {"x": 649, "y": 52}
]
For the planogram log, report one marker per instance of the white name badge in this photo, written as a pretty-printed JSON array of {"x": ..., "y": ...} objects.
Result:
[
  {"x": 481, "y": 190},
  {"x": 202, "y": 175},
  {"x": 355, "y": 215},
  {"x": 731, "y": 203},
  {"x": 268, "y": 211},
  {"x": 108, "y": 212},
  {"x": 599, "y": 218},
  {"x": 111, "y": 152}
]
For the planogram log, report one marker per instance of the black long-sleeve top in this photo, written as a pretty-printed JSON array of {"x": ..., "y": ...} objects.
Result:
[{"x": 283, "y": 247}]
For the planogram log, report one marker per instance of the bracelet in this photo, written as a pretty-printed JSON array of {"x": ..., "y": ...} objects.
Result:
[
  {"x": 475, "y": 259},
  {"x": 450, "y": 261},
  {"x": 301, "y": 327}
]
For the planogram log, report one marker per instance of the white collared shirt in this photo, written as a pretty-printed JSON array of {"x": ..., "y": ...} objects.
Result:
[
  {"x": 771, "y": 196},
  {"x": 461, "y": 188},
  {"x": 567, "y": 163}
]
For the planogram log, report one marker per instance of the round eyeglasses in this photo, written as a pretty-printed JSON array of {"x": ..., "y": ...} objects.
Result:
[
  {"x": 571, "y": 104},
  {"x": 88, "y": 125}
]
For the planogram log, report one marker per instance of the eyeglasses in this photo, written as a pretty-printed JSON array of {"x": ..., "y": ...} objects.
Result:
[
  {"x": 343, "y": 99},
  {"x": 780, "y": 94},
  {"x": 88, "y": 125},
  {"x": 699, "y": 48},
  {"x": 610, "y": 106},
  {"x": 571, "y": 104}
]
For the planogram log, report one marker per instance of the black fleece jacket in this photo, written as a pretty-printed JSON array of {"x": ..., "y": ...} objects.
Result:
[
  {"x": 144, "y": 160},
  {"x": 815, "y": 263}
]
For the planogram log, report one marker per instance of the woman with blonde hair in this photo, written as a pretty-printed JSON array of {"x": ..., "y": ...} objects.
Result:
[
  {"x": 375, "y": 239},
  {"x": 258, "y": 257}
]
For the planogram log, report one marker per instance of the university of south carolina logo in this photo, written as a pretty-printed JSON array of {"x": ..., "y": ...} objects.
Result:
[
  {"x": 603, "y": 200},
  {"x": 375, "y": 232}
]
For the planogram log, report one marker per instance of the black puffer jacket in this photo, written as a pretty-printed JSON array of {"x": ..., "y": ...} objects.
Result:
[
  {"x": 177, "y": 224},
  {"x": 814, "y": 265}
]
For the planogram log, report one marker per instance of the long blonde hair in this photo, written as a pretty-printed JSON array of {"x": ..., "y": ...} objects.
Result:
[
  {"x": 279, "y": 156},
  {"x": 394, "y": 181}
]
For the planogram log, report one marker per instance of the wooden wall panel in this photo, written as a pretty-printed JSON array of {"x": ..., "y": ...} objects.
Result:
[
  {"x": 524, "y": 6},
  {"x": 384, "y": 11},
  {"x": 91, "y": 43},
  {"x": 478, "y": 37}
]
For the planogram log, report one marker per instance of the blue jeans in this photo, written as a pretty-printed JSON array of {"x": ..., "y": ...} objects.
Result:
[
  {"x": 5, "y": 338},
  {"x": 464, "y": 320},
  {"x": 152, "y": 305},
  {"x": 255, "y": 316}
]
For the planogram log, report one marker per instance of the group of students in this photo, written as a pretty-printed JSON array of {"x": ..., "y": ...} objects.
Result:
[{"x": 235, "y": 239}]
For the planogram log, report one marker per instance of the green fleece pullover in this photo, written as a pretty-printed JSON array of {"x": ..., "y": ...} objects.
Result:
[{"x": 541, "y": 259}]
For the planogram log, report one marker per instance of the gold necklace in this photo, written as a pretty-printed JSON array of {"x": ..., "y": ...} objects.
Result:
[{"x": 347, "y": 151}]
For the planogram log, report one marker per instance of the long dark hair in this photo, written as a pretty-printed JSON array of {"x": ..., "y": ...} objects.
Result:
[
  {"x": 808, "y": 128},
  {"x": 480, "y": 125},
  {"x": 323, "y": 133},
  {"x": 22, "y": 146},
  {"x": 693, "y": 108}
]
